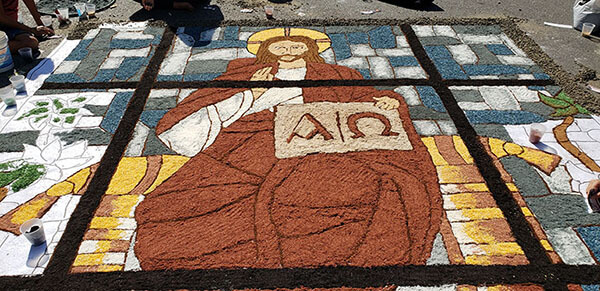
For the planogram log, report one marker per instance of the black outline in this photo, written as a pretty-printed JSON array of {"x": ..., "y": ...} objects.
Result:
[{"x": 539, "y": 271}]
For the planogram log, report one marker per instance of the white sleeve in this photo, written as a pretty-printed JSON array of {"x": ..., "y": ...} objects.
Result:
[
  {"x": 273, "y": 97},
  {"x": 199, "y": 130},
  {"x": 233, "y": 108}
]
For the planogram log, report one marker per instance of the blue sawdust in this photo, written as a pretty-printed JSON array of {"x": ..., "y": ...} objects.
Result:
[
  {"x": 152, "y": 117},
  {"x": 430, "y": 98},
  {"x": 382, "y": 37},
  {"x": 499, "y": 49},
  {"x": 231, "y": 33},
  {"x": 115, "y": 111},
  {"x": 438, "y": 52},
  {"x": 477, "y": 70},
  {"x": 366, "y": 73},
  {"x": 358, "y": 38},
  {"x": 129, "y": 43},
  {"x": 450, "y": 69},
  {"x": 80, "y": 51},
  {"x": 65, "y": 78},
  {"x": 403, "y": 61},
  {"x": 104, "y": 75},
  {"x": 591, "y": 237},
  {"x": 130, "y": 67},
  {"x": 340, "y": 46},
  {"x": 167, "y": 78}
]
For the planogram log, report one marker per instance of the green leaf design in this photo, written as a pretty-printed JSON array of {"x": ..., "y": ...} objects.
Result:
[
  {"x": 22, "y": 177},
  {"x": 29, "y": 175},
  {"x": 69, "y": 111},
  {"x": 41, "y": 103},
  {"x": 37, "y": 119},
  {"x": 563, "y": 96},
  {"x": 80, "y": 99},
  {"x": 35, "y": 111},
  {"x": 553, "y": 102},
  {"x": 56, "y": 119},
  {"x": 58, "y": 104},
  {"x": 70, "y": 119},
  {"x": 564, "y": 112},
  {"x": 582, "y": 110}
]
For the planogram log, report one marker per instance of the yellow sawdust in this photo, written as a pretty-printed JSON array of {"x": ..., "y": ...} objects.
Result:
[
  {"x": 102, "y": 246},
  {"x": 546, "y": 244},
  {"x": 104, "y": 222},
  {"x": 79, "y": 179},
  {"x": 29, "y": 210},
  {"x": 478, "y": 260},
  {"x": 482, "y": 213},
  {"x": 130, "y": 172},
  {"x": 502, "y": 249},
  {"x": 462, "y": 150},
  {"x": 544, "y": 161},
  {"x": 437, "y": 158},
  {"x": 88, "y": 259},
  {"x": 110, "y": 268},
  {"x": 526, "y": 211},
  {"x": 114, "y": 234},
  {"x": 170, "y": 165},
  {"x": 513, "y": 149},
  {"x": 61, "y": 189},
  {"x": 497, "y": 147},
  {"x": 464, "y": 200},
  {"x": 479, "y": 234},
  {"x": 451, "y": 174},
  {"x": 123, "y": 205}
]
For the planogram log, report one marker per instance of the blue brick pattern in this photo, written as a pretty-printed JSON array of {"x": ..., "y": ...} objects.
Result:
[
  {"x": 340, "y": 46},
  {"x": 87, "y": 53},
  {"x": 115, "y": 111},
  {"x": 349, "y": 44},
  {"x": 152, "y": 117},
  {"x": 486, "y": 57},
  {"x": 382, "y": 37},
  {"x": 500, "y": 49},
  {"x": 591, "y": 237},
  {"x": 430, "y": 98}
]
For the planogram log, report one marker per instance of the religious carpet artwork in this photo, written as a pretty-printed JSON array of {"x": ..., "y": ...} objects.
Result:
[
  {"x": 50, "y": 139},
  {"x": 557, "y": 196},
  {"x": 294, "y": 176}
]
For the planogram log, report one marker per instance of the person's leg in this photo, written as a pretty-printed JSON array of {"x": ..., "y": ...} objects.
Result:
[{"x": 22, "y": 40}]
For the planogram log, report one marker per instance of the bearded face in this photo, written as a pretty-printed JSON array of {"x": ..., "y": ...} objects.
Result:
[{"x": 288, "y": 51}]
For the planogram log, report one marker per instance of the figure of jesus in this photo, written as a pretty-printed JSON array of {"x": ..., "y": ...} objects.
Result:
[{"x": 235, "y": 204}]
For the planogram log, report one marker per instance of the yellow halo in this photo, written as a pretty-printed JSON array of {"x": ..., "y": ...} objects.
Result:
[{"x": 254, "y": 41}]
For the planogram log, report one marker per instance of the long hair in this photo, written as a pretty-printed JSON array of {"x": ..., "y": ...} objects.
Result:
[{"x": 264, "y": 56}]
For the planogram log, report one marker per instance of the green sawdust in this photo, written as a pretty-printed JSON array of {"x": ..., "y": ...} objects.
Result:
[{"x": 19, "y": 176}]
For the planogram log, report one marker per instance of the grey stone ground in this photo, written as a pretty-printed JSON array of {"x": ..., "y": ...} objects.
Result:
[{"x": 565, "y": 46}]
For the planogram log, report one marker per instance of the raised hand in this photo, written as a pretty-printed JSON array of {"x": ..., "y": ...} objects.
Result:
[
  {"x": 386, "y": 103},
  {"x": 263, "y": 74}
]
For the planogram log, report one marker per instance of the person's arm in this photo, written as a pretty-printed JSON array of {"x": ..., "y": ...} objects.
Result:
[
  {"x": 9, "y": 22},
  {"x": 34, "y": 12},
  {"x": 40, "y": 29}
]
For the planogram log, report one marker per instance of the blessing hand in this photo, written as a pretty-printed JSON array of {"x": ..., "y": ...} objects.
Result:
[
  {"x": 263, "y": 74},
  {"x": 386, "y": 103}
]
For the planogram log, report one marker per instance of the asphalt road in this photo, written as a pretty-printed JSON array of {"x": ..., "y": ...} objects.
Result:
[{"x": 565, "y": 46}]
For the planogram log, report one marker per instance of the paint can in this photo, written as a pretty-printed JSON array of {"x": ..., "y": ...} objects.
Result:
[{"x": 6, "y": 62}]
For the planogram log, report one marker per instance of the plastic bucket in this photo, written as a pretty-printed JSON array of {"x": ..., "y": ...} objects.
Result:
[{"x": 6, "y": 62}]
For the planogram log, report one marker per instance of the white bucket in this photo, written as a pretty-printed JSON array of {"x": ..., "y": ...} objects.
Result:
[{"x": 6, "y": 62}]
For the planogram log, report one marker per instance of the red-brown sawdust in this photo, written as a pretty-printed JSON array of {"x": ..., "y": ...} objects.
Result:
[{"x": 238, "y": 206}]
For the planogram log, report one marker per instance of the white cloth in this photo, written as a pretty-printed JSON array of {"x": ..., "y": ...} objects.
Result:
[{"x": 198, "y": 131}]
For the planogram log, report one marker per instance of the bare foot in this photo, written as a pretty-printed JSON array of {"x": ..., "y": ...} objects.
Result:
[{"x": 183, "y": 6}]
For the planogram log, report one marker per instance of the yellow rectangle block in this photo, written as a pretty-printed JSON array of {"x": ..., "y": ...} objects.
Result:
[
  {"x": 110, "y": 268},
  {"x": 88, "y": 260},
  {"x": 482, "y": 213},
  {"x": 502, "y": 249},
  {"x": 104, "y": 222}
]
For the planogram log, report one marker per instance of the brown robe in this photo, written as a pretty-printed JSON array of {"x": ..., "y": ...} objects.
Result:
[{"x": 236, "y": 205}]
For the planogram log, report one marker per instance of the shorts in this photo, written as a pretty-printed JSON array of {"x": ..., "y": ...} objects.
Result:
[{"x": 12, "y": 32}]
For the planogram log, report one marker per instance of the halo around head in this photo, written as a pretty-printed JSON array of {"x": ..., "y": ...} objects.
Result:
[{"x": 255, "y": 40}]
